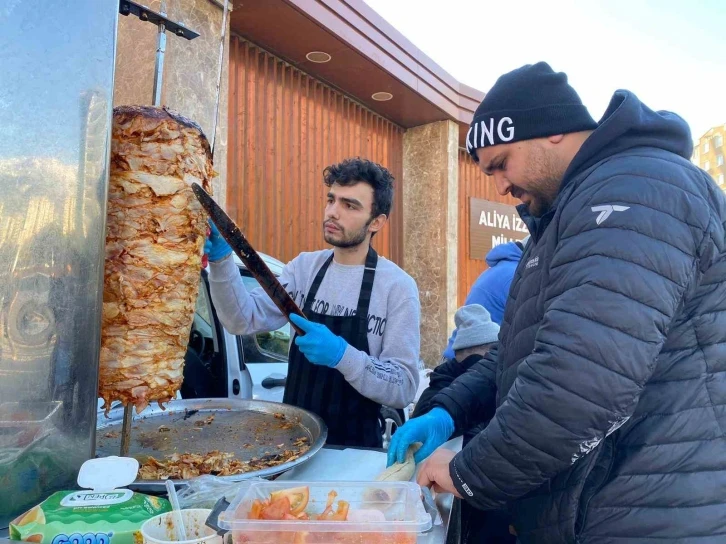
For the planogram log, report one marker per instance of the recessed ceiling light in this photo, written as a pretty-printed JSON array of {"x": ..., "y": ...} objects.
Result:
[
  {"x": 319, "y": 57},
  {"x": 381, "y": 96}
]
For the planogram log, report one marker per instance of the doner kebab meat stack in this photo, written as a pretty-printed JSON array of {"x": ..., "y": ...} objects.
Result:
[{"x": 155, "y": 234}]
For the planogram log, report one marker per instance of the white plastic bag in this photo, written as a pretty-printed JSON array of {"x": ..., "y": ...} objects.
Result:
[{"x": 205, "y": 491}]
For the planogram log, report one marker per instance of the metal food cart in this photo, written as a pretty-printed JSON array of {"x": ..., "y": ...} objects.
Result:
[{"x": 57, "y": 62}]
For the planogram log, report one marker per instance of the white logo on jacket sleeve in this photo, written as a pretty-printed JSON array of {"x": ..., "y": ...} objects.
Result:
[
  {"x": 606, "y": 210},
  {"x": 465, "y": 487}
]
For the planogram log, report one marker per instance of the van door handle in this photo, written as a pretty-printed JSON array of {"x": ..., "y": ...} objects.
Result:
[{"x": 270, "y": 382}]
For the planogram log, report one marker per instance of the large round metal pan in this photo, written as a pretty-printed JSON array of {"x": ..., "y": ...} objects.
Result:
[{"x": 245, "y": 428}]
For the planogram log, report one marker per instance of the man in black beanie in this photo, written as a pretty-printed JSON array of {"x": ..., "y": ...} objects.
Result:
[
  {"x": 526, "y": 131},
  {"x": 607, "y": 391}
]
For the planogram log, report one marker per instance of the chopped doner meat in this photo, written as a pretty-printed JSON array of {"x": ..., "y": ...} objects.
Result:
[
  {"x": 189, "y": 465},
  {"x": 154, "y": 237}
]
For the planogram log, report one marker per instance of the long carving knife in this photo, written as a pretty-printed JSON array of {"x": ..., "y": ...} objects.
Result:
[{"x": 249, "y": 256}]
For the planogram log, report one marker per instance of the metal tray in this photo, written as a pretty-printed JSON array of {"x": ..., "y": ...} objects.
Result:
[{"x": 246, "y": 428}]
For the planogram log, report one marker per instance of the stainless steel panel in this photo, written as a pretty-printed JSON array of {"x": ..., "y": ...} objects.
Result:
[{"x": 56, "y": 93}]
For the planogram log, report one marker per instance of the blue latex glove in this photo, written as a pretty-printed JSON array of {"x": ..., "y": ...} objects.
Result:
[
  {"x": 216, "y": 247},
  {"x": 319, "y": 345},
  {"x": 432, "y": 429}
]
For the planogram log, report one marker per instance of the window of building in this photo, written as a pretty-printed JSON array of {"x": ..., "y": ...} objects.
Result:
[
  {"x": 720, "y": 180},
  {"x": 719, "y": 160},
  {"x": 718, "y": 140},
  {"x": 706, "y": 166},
  {"x": 706, "y": 147}
]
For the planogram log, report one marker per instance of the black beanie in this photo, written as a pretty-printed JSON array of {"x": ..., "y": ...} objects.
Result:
[{"x": 530, "y": 102}]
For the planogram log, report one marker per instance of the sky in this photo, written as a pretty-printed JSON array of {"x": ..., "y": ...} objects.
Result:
[
  {"x": 45, "y": 70},
  {"x": 670, "y": 53}
]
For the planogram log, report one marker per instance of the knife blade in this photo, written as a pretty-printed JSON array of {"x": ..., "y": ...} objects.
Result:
[{"x": 248, "y": 255}]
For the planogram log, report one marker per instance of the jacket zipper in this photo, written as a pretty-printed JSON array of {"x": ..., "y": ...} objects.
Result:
[{"x": 595, "y": 491}]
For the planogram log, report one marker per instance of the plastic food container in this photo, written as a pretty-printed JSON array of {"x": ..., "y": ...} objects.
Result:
[
  {"x": 380, "y": 513},
  {"x": 21, "y": 423},
  {"x": 161, "y": 529}
]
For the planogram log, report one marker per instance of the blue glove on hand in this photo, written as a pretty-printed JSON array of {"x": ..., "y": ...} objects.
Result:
[
  {"x": 432, "y": 429},
  {"x": 319, "y": 345},
  {"x": 216, "y": 247}
]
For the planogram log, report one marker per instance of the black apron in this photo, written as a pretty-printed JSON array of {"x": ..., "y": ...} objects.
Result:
[{"x": 352, "y": 419}]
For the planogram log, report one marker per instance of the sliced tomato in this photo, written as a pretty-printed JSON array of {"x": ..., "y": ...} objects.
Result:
[
  {"x": 300, "y": 538},
  {"x": 256, "y": 510},
  {"x": 341, "y": 513},
  {"x": 298, "y": 496},
  {"x": 329, "y": 505},
  {"x": 277, "y": 509}
]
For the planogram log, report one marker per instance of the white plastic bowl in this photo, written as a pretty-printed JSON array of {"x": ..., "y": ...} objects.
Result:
[{"x": 161, "y": 529}]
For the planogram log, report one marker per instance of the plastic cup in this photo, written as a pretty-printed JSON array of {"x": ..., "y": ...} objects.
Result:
[{"x": 161, "y": 530}]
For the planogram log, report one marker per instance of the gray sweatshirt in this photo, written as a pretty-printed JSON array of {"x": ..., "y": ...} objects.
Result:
[{"x": 389, "y": 375}]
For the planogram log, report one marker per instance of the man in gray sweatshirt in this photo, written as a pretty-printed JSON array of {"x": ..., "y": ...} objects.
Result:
[{"x": 362, "y": 339}]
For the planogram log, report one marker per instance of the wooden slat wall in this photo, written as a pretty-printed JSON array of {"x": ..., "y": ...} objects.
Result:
[
  {"x": 285, "y": 127},
  {"x": 472, "y": 183}
]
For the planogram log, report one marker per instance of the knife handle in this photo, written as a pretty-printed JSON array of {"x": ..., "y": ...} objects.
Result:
[{"x": 247, "y": 254}]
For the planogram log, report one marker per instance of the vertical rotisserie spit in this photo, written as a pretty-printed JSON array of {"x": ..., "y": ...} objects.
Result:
[{"x": 154, "y": 238}]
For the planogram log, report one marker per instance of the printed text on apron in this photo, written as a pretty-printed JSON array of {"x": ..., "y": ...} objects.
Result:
[{"x": 352, "y": 419}]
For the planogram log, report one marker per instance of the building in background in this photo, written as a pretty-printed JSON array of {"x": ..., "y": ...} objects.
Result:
[
  {"x": 708, "y": 153},
  {"x": 312, "y": 82},
  {"x": 307, "y": 84}
]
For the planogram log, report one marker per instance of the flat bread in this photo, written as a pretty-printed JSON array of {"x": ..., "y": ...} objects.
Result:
[{"x": 382, "y": 499}]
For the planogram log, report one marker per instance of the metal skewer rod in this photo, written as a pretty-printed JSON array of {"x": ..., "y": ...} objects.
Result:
[
  {"x": 160, "y": 52},
  {"x": 158, "y": 85},
  {"x": 219, "y": 74},
  {"x": 126, "y": 429}
]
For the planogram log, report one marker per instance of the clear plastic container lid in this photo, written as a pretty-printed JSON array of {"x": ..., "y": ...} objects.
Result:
[{"x": 375, "y": 507}]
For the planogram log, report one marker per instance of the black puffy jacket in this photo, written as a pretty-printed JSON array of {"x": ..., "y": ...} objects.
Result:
[{"x": 610, "y": 380}]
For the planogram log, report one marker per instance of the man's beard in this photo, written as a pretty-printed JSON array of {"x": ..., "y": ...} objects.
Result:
[
  {"x": 544, "y": 195},
  {"x": 544, "y": 178},
  {"x": 347, "y": 240}
]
